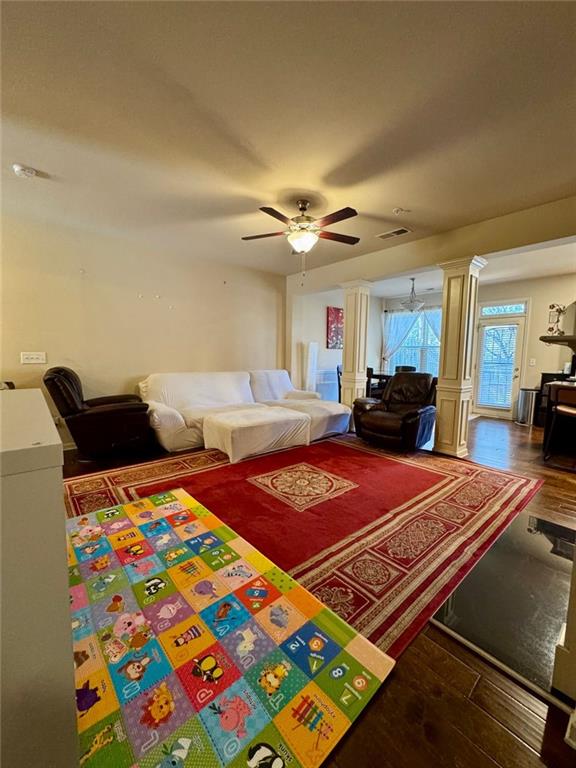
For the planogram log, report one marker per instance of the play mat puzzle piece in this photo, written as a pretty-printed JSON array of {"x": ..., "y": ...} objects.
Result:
[{"x": 192, "y": 649}]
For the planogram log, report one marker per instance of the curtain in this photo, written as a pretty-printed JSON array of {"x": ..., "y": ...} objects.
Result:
[
  {"x": 396, "y": 325},
  {"x": 433, "y": 317}
]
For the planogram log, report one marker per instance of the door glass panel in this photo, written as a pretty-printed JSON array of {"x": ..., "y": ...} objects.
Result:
[{"x": 496, "y": 365}]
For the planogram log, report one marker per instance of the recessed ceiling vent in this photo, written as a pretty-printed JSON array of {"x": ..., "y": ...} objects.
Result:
[{"x": 394, "y": 233}]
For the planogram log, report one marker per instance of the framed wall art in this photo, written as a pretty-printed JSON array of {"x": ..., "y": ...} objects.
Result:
[{"x": 334, "y": 328}]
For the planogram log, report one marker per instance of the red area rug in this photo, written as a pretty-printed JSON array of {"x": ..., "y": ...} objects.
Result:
[{"x": 382, "y": 539}]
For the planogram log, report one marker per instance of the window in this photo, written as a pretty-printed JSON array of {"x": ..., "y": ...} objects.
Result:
[
  {"x": 497, "y": 310},
  {"x": 421, "y": 347}
]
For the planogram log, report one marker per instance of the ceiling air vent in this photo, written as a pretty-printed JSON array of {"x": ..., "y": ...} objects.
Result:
[{"x": 393, "y": 233}]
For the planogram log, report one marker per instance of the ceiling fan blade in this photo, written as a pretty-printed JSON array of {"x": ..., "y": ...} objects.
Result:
[
  {"x": 257, "y": 237},
  {"x": 276, "y": 214},
  {"x": 332, "y": 218},
  {"x": 348, "y": 239}
]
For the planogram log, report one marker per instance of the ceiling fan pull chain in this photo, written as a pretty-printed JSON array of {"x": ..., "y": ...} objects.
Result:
[{"x": 303, "y": 268}]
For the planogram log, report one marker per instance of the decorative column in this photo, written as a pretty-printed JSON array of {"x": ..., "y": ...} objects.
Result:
[
  {"x": 356, "y": 306},
  {"x": 455, "y": 384}
]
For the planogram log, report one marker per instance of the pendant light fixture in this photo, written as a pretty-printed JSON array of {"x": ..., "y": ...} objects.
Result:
[{"x": 412, "y": 303}]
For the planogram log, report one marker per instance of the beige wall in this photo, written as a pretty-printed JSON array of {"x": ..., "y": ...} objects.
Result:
[{"x": 76, "y": 296}]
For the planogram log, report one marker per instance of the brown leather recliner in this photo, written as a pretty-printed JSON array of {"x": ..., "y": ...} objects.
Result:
[
  {"x": 404, "y": 416},
  {"x": 102, "y": 425}
]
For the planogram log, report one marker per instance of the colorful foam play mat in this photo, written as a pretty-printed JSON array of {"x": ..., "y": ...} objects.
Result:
[{"x": 191, "y": 648}]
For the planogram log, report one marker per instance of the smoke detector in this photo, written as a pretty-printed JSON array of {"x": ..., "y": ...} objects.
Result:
[
  {"x": 399, "y": 211},
  {"x": 24, "y": 171}
]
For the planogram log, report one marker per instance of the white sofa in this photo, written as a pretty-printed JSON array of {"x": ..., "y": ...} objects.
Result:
[{"x": 179, "y": 402}]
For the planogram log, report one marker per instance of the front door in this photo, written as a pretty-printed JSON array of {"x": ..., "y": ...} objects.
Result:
[{"x": 498, "y": 365}]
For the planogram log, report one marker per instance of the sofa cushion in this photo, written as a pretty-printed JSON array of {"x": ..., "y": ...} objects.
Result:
[
  {"x": 185, "y": 390},
  {"x": 328, "y": 418},
  {"x": 252, "y": 432},
  {"x": 194, "y": 415},
  {"x": 270, "y": 385}
]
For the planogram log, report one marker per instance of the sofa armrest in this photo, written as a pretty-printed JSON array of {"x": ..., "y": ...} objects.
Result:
[
  {"x": 164, "y": 417},
  {"x": 111, "y": 399},
  {"x": 301, "y": 394}
]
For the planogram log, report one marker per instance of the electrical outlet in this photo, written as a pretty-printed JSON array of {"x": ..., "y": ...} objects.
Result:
[
  {"x": 32, "y": 358},
  {"x": 532, "y": 362}
]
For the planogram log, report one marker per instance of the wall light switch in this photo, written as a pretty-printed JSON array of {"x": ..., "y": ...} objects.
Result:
[
  {"x": 32, "y": 358},
  {"x": 532, "y": 362}
]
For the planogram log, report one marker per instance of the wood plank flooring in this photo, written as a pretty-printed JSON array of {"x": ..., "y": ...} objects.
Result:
[{"x": 444, "y": 706}]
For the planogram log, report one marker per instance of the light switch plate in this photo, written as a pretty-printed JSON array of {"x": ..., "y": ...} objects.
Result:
[
  {"x": 32, "y": 358},
  {"x": 532, "y": 362}
]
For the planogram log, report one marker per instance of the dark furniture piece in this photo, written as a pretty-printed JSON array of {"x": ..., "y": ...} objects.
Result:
[
  {"x": 541, "y": 407},
  {"x": 376, "y": 383},
  {"x": 102, "y": 425},
  {"x": 404, "y": 416},
  {"x": 339, "y": 378},
  {"x": 560, "y": 428},
  {"x": 405, "y": 368}
]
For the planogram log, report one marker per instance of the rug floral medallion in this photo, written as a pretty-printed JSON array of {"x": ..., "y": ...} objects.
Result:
[
  {"x": 302, "y": 486},
  {"x": 383, "y": 539}
]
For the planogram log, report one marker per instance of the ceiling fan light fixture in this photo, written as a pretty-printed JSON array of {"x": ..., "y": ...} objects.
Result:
[
  {"x": 412, "y": 303},
  {"x": 302, "y": 241}
]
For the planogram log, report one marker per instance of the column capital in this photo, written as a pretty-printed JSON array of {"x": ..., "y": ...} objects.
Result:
[
  {"x": 356, "y": 284},
  {"x": 477, "y": 262}
]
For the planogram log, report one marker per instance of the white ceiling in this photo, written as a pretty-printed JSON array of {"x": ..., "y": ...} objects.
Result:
[
  {"x": 171, "y": 123},
  {"x": 501, "y": 268}
]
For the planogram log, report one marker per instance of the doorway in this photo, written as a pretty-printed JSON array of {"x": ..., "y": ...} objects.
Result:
[{"x": 500, "y": 345}]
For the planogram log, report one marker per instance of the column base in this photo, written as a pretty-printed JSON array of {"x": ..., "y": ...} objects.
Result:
[
  {"x": 452, "y": 413},
  {"x": 459, "y": 453}
]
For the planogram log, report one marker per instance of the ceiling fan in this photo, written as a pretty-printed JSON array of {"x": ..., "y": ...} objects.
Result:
[{"x": 304, "y": 231}]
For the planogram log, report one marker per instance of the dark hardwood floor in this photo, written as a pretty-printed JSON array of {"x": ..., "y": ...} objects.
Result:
[{"x": 443, "y": 706}]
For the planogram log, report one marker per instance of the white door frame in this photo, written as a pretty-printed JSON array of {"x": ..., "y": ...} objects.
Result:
[{"x": 521, "y": 320}]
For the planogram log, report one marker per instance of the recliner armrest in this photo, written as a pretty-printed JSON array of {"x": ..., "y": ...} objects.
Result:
[
  {"x": 417, "y": 413},
  {"x": 116, "y": 409},
  {"x": 363, "y": 404},
  {"x": 111, "y": 399},
  {"x": 301, "y": 394}
]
